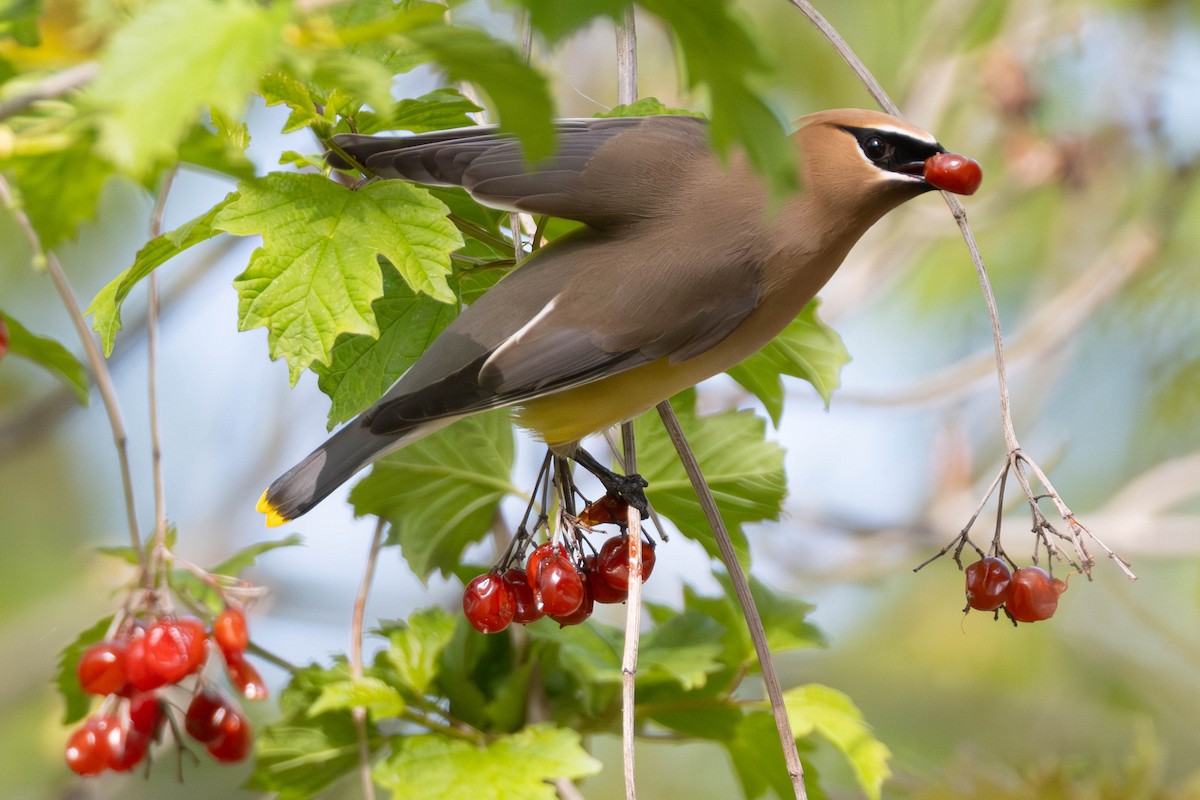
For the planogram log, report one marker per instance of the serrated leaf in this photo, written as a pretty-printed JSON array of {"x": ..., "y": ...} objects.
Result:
[
  {"x": 222, "y": 150},
  {"x": 380, "y": 699},
  {"x": 157, "y": 74},
  {"x": 441, "y": 493},
  {"x": 515, "y": 767},
  {"x": 362, "y": 76},
  {"x": 648, "y": 107},
  {"x": 833, "y": 716},
  {"x": 784, "y": 619},
  {"x": 437, "y": 110},
  {"x": 105, "y": 308},
  {"x": 59, "y": 190},
  {"x": 281, "y": 88},
  {"x": 48, "y": 353},
  {"x": 77, "y": 702},
  {"x": 317, "y": 273},
  {"x": 743, "y": 469},
  {"x": 591, "y": 653},
  {"x": 361, "y": 368},
  {"x": 807, "y": 349},
  {"x": 684, "y": 648},
  {"x": 247, "y": 556},
  {"x": 555, "y": 19},
  {"x": 415, "y": 648},
  {"x": 757, "y": 758},
  {"x": 519, "y": 92}
]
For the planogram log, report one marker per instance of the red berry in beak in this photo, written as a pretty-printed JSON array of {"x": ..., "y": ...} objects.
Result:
[{"x": 953, "y": 173}]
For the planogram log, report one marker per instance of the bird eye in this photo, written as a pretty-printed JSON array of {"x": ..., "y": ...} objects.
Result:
[{"x": 875, "y": 148}]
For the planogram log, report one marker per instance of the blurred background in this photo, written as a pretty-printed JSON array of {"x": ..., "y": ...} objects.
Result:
[{"x": 1086, "y": 118}]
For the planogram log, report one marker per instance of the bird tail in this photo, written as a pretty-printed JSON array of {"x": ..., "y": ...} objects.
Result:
[{"x": 329, "y": 466}]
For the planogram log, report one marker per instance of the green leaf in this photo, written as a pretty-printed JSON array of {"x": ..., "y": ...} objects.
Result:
[
  {"x": 515, "y": 767},
  {"x": 784, "y": 618},
  {"x": 555, "y": 19},
  {"x": 157, "y": 74},
  {"x": 317, "y": 273},
  {"x": 67, "y": 680},
  {"x": 757, "y": 757},
  {"x": 684, "y": 648},
  {"x": 221, "y": 149},
  {"x": 441, "y": 493},
  {"x": 366, "y": 78},
  {"x": 833, "y": 716},
  {"x": 247, "y": 556},
  {"x": 361, "y": 367},
  {"x": 437, "y": 110},
  {"x": 380, "y": 699},
  {"x": 300, "y": 755},
  {"x": 19, "y": 21},
  {"x": 47, "y": 353},
  {"x": 519, "y": 92},
  {"x": 807, "y": 349},
  {"x": 279, "y": 88},
  {"x": 743, "y": 469},
  {"x": 59, "y": 189},
  {"x": 648, "y": 107},
  {"x": 105, "y": 308},
  {"x": 415, "y": 648}
]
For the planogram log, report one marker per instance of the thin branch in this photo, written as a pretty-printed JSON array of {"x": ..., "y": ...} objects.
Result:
[
  {"x": 152, "y": 312},
  {"x": 633, "y": 622},
  {"x": 627, "y": 71},
  {"x": 356, "y": 659},
  {"x": 741, "y": 588},
  {"x": 100, "y": 373},
  {"x": 51, "y": 86}
]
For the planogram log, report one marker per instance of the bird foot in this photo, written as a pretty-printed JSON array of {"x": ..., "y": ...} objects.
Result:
[{"x": 630, "y": 488}]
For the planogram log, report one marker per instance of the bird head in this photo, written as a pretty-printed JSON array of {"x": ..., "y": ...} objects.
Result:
[{"x": 866, "y": 162}]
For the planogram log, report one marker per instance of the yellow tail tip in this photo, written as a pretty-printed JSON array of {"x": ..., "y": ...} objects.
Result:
[{"x": 274, "y": 518}]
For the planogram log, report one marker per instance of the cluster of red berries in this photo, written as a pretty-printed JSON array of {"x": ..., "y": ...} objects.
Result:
[
  {"x": 1028, "y": 594},
  {"x": 555, "y": 584},
  {"x": 132, "y": 669}
]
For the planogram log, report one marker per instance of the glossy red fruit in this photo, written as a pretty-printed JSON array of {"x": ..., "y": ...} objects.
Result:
[
  {"x": 953, "y": 173},
  {"x": 229, "y": 631},
  {"x": 988, "y": 582},
  {"x": 175, "y": 647},
  {"x": 126, "y": 747},
  {"x": 488, "y": 603},
  {"x": 1034, "y": 595},
  {"x": 602, "y": 591},
  {"x": 101, "y": 668},
  {"x": 88, "y": 748},
  {"x": 140, "y": 676},
  {"x": 3, "y": 338},
  {"x": 525, "y": 608},
  {"x": 580, "y": 614},
  {"x": 559, "y": 588},
  {"x": 245, "y": 677},
  {"x": 233, "y": 739},
  {"x": 613, "y": 562},
  {"x": 205, "y": 714},
  {"x": 146, "y": 714},
  {"x": 544, "y": 550},
  {"x": 608, "y": 510}
]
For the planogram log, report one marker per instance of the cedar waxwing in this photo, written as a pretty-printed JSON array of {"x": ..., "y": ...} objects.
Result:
[{"x": 683, "y": 269}]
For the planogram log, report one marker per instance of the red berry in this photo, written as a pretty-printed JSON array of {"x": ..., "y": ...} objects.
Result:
[
  {"x": 229, "y": 631},
  {"x": 3, "y": 337},
  {"x": 140, "y": 676},
  {"x": 175, "y": 647},
  {"x": 525, "y": 608},
  {"x": 205, "y": 714},
  {"x": 233, "y": 739},
  {"x": 1034, "y": 595},
  {"x": 88, "y": 748},
  {"x": 607, "y": 510},
  {"x": 953, "y": 173},
  {"x": 544, "y": 550},
  {"x": 127, "y": 747},
  {"x": 602, "y": 591},
  {"x": 101, "y": 669},
  {"x": 245, "y": 677},
  {"x": 988, "y": 582},
  {"x": 613, "y": 562},
  {"x": 146, "y": 713},
  {"x": 580, "y": 614},
  {"x": 488, "y": 603},
  {"x": 559, "y": 588}
]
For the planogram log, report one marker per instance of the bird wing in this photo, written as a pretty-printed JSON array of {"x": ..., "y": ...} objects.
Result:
[{"x": 604, "y": 173}]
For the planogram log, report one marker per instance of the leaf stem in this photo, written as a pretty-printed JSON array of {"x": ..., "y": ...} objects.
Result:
[{"x": 152, "y": 313}]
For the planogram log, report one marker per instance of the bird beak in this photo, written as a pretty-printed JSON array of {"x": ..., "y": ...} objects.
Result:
[{"x": 949, "y": 172}]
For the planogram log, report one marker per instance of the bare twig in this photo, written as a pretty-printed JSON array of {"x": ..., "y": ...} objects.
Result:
[
  {"x": 633, "y": 622},
  {"x": 741, "y": 588},
  {"x": 100, "y": 373},
  {"x": 152, "y": 310},
  {"x": 51, "y": 86},
  {"x": 627, "y": 72},
  {"x": 356, "y": 659}
]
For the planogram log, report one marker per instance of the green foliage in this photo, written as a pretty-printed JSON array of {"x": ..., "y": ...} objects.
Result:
[
  {"x": 808, "y": 349},
  {"x": 57, "y": 207},
  {"x": 48, "y": 353},
  {"x": 66, "y": 679},
  {"x": 441, "y": 493},
  {"x": 380, "y": 699},
  {"x": 416, "y": 645},
  {"x": 833, "y": 716},
  {"x": 743, "y": 469},
  {"x": 648, "y": 107},
  {"x": 316, "y": 275}
]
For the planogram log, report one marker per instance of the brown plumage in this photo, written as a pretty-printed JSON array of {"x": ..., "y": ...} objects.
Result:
[{"x": 681, "y": 271}]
